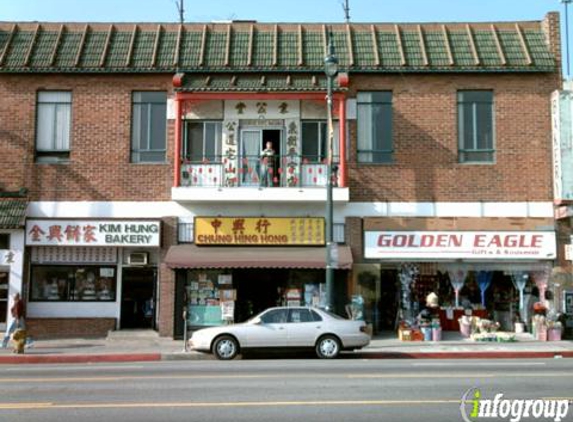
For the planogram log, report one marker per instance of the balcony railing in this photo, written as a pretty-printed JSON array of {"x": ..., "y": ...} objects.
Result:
[{"x": 253, "y": 171}]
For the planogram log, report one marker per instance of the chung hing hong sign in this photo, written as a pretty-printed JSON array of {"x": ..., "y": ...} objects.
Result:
[
  {"x": 457, "y": 245},
  {"x": 92, "y": 233},
  {"x": 258, "y": 231}
]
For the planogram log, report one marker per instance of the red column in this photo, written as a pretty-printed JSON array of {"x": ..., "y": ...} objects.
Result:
[
  {"x": 177, "y": 147},
  {"x": 342, "y": 141}
]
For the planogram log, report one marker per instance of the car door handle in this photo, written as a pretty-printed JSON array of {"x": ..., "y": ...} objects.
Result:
[
  {"x": 281, "y": 328},
  {"x": 318, "y": 327}
]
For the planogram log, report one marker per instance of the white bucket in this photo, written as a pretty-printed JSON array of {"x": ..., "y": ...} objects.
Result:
[{"x": 519, "y": 328}]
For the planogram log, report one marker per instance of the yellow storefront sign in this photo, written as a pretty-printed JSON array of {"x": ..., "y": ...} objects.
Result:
[{"x": 256, "y": 231}]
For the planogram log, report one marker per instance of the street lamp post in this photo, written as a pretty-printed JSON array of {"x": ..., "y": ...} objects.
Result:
[{"x": 330, "y": 69}]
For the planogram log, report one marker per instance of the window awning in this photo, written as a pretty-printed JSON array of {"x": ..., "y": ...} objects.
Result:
[
  {"x": 12, "y": 213},
  {"x": 192, "y": 256}
]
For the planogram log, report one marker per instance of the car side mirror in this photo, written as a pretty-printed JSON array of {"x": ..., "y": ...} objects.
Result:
[{"x": 257, "y": 321}]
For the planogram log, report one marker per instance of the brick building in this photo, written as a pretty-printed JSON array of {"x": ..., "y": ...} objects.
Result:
[{"x": 140, "y": 149}]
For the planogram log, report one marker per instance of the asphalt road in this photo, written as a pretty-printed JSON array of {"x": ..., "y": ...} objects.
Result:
[{"x": 272, "y": 390}]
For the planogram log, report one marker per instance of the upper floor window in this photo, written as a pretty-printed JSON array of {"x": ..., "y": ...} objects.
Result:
[
  {"x": 53, "y": 123},
  {"x": 374, "y": 120},
  {"x": 204, "y": 141},
  {"x": 148, "y": 129},
  {"x": 475, "y": 126},
  {"x": 315, "y": 141}
]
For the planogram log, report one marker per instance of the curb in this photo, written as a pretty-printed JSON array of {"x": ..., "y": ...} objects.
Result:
[
  {"x": 465, "y": 355},
  {"x": 195, "y": 356},
  {"x": 95, "y": 358}
]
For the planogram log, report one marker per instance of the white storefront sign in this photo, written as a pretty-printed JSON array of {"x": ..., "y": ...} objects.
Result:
[
  {"x": 92, "y": 233},
  {"x": 459, "y": 245}
]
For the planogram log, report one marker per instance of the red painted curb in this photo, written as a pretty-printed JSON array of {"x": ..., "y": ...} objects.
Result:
[
  {"x": 125, "y": 357},
  {"x": 465, "y": 355}
]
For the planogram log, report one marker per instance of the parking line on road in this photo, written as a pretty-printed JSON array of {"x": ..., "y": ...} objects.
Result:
[
  {"x": 466, "y": 364},
  {"x": 282, "y": 376},
  {"x": 31, "y": 406}
]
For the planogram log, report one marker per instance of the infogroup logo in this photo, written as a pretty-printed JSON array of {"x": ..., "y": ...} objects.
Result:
[{"x": 475, "y": 407}]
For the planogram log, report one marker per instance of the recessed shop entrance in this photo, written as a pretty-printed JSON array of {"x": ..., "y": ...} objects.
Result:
[
  {"x": 3, "y": 296},
  {"x": 138, "y": 298}
]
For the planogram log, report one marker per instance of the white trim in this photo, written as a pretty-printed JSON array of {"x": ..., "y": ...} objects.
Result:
[
  {"x": 262, "y": 206},
  {"x": 72, "y": 310},
  {"x": 16, "y": 267},
  {"x": 254, "y": 194}
]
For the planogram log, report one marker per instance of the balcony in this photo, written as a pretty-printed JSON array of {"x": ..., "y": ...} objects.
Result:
[{"x": 287, "y": 178}]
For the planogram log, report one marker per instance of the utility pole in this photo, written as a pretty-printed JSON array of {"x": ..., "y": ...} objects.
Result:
[
  {"x": 181, "y": 9},
  {"x": 346, "y": 8}
]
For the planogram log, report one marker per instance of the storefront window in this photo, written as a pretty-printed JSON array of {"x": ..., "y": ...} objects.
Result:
[
  {"x": 205, "y": 290},
  {"x": 73, "y": 283},
  {"x": 216, "y": 297}
]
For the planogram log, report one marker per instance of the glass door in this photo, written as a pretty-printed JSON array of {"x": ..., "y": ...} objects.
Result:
[
  {"x": 249, "y": 163},
  {"x": 3, "y": 296}
]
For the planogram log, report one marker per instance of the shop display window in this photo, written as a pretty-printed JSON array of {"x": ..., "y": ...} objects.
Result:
[
  {"x": 206, "y": 293},
  {"x": 73, "y": 283}
]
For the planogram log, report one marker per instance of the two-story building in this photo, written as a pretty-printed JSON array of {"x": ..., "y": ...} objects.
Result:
[{"x": 183, "y": 167}]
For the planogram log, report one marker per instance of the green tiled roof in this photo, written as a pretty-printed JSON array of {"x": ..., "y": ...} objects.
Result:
[
  {"x": 250, "y": 82},
  {"x": 12, "y": 213},
  {"x": 258, "y": 47}
]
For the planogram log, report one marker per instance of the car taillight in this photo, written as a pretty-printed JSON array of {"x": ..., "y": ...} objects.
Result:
[{"x": 363, "y": 329}]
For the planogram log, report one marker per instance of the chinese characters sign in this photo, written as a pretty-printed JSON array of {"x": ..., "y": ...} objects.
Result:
[
  {"x": 258, "y": 231},
  {"x": 252, "y": 109},
  {"x": 92, "y": 233},
  {"x": 470, "y": 245}
]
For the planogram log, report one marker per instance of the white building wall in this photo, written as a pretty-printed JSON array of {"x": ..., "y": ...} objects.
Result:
[
  {"x": 354, "y": 209},
  {"x": 15, "y": 268}
]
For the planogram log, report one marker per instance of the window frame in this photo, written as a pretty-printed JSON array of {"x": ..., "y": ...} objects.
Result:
[
  {"x": 137, "y": 152},
  {"x": 218, "y": 145},
  {"x": 75, "y": 268},
  {"x": 273, "y": 311},
  {"x": 53, "y": 156},
  {"x": 388, "y": 153},
  {"x": 291, "y": 311},
  {"x": 463, "y": 151},
  {"x": 321, "y": 157}
]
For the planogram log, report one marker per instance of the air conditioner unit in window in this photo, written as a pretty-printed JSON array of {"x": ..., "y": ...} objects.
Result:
[{"x": 138, "y": 258}]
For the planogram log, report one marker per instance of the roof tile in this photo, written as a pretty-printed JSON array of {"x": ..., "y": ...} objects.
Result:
[
  {"x": 12, "y": 213},
  {"x": 359, "y": 56}
]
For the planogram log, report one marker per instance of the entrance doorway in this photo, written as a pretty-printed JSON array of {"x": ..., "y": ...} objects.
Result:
[
  {"x": 3, "y": 296},
  {"x": 138, "y": 298},
  {"x": 253, "y": 142}
]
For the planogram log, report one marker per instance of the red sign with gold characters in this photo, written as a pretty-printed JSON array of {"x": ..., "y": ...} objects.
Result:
[{"x": 257, "y": 231}]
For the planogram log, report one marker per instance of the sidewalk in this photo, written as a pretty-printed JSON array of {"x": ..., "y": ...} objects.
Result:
[{"x": 145, "y": 348}]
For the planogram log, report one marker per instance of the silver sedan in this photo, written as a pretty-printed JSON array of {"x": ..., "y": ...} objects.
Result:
[{"x": 284, "y": 328}]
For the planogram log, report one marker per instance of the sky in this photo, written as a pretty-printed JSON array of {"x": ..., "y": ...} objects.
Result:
[{"x": 277, "y": 10}]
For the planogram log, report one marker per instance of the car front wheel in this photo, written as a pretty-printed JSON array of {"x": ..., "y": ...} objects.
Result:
[
  {"x": 328, "y": 347},
  {"x": 225, "y": 348}
]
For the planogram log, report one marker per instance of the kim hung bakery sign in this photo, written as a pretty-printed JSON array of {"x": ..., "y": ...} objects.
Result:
[
  {"x": 459, "y": 245},
  {"x": 92, "y": 233}
]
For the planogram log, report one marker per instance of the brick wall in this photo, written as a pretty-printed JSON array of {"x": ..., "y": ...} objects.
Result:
[
  {"x": 166, "y": 305},
  {"x": 100, "y": 139},
  {"x": 354, "y": 235},
  {"x": 57, "y": 328},
  {"x": 426, "y": 166}
]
